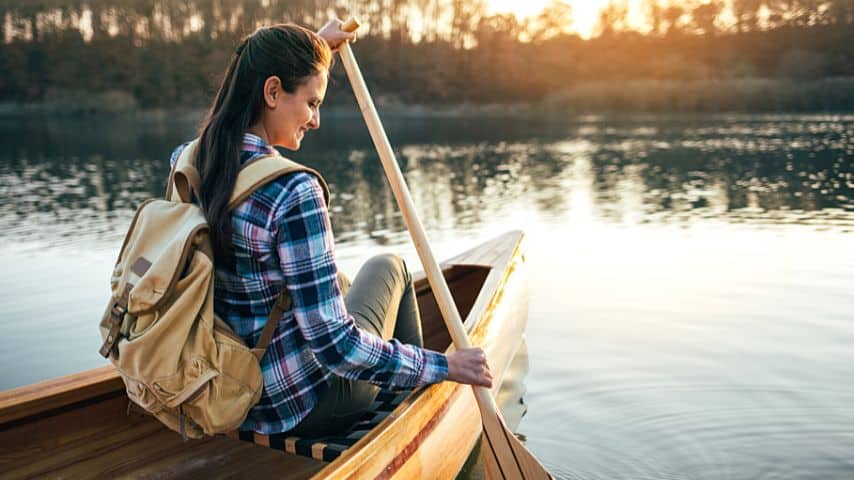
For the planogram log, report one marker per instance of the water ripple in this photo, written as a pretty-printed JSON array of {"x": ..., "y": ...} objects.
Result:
[{"x": 691, "y": 276}]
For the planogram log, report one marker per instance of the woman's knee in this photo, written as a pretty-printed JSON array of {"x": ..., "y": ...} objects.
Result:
[{"x": 391, "y": 263}]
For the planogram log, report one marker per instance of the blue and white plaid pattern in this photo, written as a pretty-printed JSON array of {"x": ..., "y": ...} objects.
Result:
[{"x": 282, "y": 236}]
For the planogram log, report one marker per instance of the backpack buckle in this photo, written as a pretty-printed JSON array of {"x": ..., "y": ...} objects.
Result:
[{"x": 117, "y": 315}]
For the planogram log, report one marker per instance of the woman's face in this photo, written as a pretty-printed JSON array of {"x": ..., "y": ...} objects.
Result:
[{"x": 289, "y": 115}]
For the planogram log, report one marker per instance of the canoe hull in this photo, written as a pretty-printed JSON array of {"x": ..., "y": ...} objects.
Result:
[
  {"x": 433, "y": 433},
  {"x": 80, "y": 426}
]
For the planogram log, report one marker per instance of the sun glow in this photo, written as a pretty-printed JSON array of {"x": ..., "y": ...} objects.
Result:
[{"x": 585, "y": 13}]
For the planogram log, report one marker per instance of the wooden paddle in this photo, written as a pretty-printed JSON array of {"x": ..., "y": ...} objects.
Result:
[{"x": 504, "y": 456}]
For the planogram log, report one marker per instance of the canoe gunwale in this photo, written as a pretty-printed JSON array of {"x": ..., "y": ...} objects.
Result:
[
  {"x": 36, "y": 402},
  {"x": 53, "y": 396},
  {"x": 475, "y": 324}
]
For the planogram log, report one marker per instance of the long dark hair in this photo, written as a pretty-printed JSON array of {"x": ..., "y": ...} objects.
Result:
[{"x": 292, "y": 53}]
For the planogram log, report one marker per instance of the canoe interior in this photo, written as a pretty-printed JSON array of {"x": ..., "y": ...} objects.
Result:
[
  {"x": 98, "y": 436},
  {"x": 465, "y": 283}
]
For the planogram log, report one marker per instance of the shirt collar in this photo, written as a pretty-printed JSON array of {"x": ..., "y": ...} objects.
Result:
[{"x": 254, "y": 143}]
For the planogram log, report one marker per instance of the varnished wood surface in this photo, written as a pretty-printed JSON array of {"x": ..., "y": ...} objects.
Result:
[
  {"x": 102, "y": 440},
  {"x": 399, "y": 447},
  {"x": 78, "y": 426},
  {"x": 40, "y": 398},
  {"x": 466, "y": 284}
]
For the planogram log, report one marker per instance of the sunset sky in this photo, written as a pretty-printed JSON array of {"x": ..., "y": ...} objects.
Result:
[{"x": 585, "y": 13}]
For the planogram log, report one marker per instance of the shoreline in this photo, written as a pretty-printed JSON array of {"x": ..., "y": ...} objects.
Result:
[
  {"x": 414, "y": 112},
  {"x": 8, "y": 112},
  {"x": 707, "y": 96}
]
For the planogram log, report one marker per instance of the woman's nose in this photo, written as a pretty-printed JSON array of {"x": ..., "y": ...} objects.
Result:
[{"x": 315, "y": 120}]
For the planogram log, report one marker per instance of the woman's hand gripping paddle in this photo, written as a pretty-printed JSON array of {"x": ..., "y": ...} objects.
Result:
[{"x": 503, "y": 455}]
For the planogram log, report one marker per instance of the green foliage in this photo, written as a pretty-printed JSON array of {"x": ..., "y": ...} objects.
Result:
[{"x": 172, "y": 53}]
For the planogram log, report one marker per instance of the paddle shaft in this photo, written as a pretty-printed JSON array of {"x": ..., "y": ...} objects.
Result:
[
  {"x": 398, "y": 185},
  {"x": 503, "y": 455}
]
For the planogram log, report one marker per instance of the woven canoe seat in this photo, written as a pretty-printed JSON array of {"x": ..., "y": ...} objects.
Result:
[{"x": 328, "y": 448}]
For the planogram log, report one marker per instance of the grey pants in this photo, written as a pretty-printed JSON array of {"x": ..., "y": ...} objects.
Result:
[{"x": 382, "y": 301}]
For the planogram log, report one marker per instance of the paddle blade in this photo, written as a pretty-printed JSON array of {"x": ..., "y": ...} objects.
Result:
[{"x": 504, "y": 456}]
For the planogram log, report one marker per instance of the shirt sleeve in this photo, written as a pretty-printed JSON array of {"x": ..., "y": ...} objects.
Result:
[
  {"x": 177, "y": 153},
  {"x": 305, "y": 246}
]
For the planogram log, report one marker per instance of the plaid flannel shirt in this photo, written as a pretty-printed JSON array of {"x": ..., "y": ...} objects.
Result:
[{"x": 282, "y": 237}]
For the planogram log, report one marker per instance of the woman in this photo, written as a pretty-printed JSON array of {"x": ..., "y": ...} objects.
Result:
[{"x": 331, "y": 353}]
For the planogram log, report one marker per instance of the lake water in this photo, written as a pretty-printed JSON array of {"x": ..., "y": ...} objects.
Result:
[{"x": 692, "y": 311}]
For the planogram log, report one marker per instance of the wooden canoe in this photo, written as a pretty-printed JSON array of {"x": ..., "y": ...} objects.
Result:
[{"x": 81, "y": 426}]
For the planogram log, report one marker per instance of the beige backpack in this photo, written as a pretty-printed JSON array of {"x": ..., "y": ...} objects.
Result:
[{"x": 179, "y": 361}]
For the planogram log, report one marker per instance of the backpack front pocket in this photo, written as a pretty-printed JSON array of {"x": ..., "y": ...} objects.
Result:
[
  {"x": 187, "y": 383},
  {"x": 140, "y": 394}
]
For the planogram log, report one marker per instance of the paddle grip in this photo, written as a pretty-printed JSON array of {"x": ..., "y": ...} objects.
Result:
[{"x": 351, "y": 25}]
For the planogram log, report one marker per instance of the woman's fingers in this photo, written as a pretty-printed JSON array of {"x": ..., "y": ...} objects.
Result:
[
  {"x": 469, "y": 366},
  {"x": 334, "y": 36}
]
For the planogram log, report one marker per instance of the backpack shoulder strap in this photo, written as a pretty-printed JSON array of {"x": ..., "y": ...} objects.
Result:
[
  {"x": 282, "y": 305},
  {"x": 265, "y": 169},
  {"x": 185, "y": 177},
  {"x": 252, "y": 176}
]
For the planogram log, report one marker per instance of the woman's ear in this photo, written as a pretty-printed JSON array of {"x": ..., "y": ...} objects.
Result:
[{"x": 272, "y": 90}]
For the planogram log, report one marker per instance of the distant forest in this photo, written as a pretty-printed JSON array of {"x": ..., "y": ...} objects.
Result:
[{"x": 693, "y": 55}]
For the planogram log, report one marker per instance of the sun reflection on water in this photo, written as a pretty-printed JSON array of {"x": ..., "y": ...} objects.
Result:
[{"x": 691, "y": 277}]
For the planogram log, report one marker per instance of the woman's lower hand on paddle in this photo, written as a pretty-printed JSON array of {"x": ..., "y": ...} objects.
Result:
[
  {"x": 334, "y": 36},
  {"x": 469, "y": 366}
]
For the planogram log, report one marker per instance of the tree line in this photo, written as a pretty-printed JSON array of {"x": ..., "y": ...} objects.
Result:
[{"x": 168, "y": 53}]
